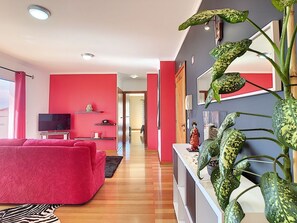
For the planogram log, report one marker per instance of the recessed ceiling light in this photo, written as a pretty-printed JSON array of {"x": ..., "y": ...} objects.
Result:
[
  {"x": 87, "y": 56},
  {"x": 39, "y": 12},
  {"x": 133, "y": 76}
]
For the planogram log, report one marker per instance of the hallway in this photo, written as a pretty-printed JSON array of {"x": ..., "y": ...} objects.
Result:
[{"x": 139, "y": 192}]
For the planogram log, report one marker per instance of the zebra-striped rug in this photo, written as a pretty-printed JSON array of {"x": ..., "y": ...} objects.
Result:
[{"x": 30, "y": 213}]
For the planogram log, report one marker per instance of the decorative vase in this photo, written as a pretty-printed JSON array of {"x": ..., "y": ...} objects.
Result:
[
  {"x": 89, "y": 108},
  {"x": 213, "y": 164}
]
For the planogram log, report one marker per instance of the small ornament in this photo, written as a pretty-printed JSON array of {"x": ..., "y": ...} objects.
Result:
[{"x": 89, "y": 108}]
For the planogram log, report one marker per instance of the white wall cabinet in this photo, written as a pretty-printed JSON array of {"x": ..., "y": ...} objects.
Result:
[{"x": 195, "y": 201}]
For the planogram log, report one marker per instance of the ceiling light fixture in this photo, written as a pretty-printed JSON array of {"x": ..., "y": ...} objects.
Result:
[
  {"x": 87, "y": 56},
  {"x": 206, "y": 26},
  {"x": 218, "y": 28},
  {"x": 133, "y": 76},
  {"x": 39, "y": 12}
]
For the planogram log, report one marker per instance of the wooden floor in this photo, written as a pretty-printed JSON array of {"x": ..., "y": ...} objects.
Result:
[{"x": 139, "y": 192}]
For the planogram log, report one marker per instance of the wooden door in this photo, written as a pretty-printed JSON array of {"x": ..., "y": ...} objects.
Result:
[{"x": 180, "y": 94}]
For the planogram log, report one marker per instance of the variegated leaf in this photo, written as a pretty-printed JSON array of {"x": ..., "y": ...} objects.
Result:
[
  {"x": 233, "y": 213},
  {"x": 209, "y": 148},
  {"x": 284, "y": 122},
  {"x": 228, "y": 83},
  {"x": 222, "y": 49},
  {"x": 231, "y": 144},
  {"x": 204, "y": 157},
  {"x": 282, "y": 4},
  {"x": 238, "y": 169},
  {"x": 209, "y": 97},
  {"x": 228, "y": 122},
  {"x": 280, "y": 198},
  {"x": 223, "y": 187},
  {"x": 227, "y": 55},
  {"x": 199, "y": 18},
  {"x": 229, "y": 15},
  {"x": 232, "y": 15}
]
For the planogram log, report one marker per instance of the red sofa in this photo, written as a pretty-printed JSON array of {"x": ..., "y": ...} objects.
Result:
[{"x": 50, "y": 171}]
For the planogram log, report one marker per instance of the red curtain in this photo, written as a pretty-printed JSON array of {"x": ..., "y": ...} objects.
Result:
[{"x": 20, "y": 106}]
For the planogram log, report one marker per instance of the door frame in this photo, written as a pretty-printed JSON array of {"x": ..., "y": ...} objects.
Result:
[
  {"x": 124, "y": 114},
  {"x": 182, "y": 68}
]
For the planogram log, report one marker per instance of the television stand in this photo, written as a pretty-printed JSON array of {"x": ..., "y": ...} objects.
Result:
[{"x": 44, "y": 135}]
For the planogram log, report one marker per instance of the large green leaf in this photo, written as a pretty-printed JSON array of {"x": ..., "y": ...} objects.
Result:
[
  {"x": 222, "y": 49},
  {"x": 209, "y": 97},
  {"x": 229, "y": 15},
  {"x": 233, "y": 213},
  {"x": 223, "y": 187},
  {"x": 231, "y": 144},
  {"x": 280, "y": 198},
  {"x": 228, "y": 122},
  {"x": 209, "y": 148},
  {"x": 240, "y": 167},
  {"x": 226, "y": 54},
  {"x": 282, "y": 4},
  {"x": 228, "y": 83},
  {"x": 232, "y": 15},
  {"x": 284, "y": 122}
]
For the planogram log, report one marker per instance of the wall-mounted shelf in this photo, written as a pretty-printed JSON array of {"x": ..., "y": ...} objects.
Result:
[
  {"x": 107, "y": 124},
  {"x": 91, "y": 112},
  {"x": 92, "y": 138}
]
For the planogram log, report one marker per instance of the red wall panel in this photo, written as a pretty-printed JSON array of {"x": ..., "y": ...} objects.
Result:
[
  {"x": 167, "y": 109},
  {"x": 152, "y": 129},
  {"x": 72, "y": 93}
]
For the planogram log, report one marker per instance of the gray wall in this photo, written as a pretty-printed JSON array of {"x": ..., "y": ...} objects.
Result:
[{"x": 198, "y": 43}]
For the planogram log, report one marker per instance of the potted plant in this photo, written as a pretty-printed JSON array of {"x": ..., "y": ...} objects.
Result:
[{"x": 279, "y": 192}]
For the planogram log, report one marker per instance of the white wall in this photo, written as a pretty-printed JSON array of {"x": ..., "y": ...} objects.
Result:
[
  {"x": 132, "y": 84},
  {"x": 37, "y": 90},
  {"x": 136, "y": 111}
]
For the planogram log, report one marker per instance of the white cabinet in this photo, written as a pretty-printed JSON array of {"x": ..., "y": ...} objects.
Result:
[{"x": 195, "y": 201}]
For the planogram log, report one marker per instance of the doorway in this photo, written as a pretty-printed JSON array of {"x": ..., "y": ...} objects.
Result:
[
  {"x": 134, "y": 113},
  {"x": 180, "y": 94}
]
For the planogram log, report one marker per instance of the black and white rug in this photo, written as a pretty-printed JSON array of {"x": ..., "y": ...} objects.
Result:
[{"x": 30, "y": 213}]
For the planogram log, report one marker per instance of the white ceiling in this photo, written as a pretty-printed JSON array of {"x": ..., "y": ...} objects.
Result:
[{"x": 127, "y": 37}]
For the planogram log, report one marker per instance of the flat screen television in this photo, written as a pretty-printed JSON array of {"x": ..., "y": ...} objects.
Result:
[{"x": 53, "y": 122}]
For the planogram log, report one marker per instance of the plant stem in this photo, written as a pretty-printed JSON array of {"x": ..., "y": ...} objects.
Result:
[
  {"x": 252, "y": 114},
  {"x": 260, "y": 156},
  {"x": 257, "y": 129},
  {"x": 287, "y": 164},
  {"x": 251, "y": 173},
  {"x": 289, "y": 52},
  {"x": 271, "y": 92},
  {"x": 266, "y": 138},
  {"x": 246, "y": 190},
  {"x": 275, "y": 47},
  {"x": 283, "y": 38}
]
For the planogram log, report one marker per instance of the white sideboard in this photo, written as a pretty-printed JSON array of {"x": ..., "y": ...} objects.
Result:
[{"x": 195, "y": 201}]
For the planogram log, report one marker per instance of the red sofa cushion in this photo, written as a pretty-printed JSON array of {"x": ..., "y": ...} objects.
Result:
[
  {"x": 49, "y": 142},
  {"x": 50, "y": 174},
  {"x": 92, "y": 148},
  {"x": 12, "y": 142}
]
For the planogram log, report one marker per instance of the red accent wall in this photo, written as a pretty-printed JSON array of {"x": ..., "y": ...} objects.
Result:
[
  {"x": 263, "y": 80},
  {"x": 71, "y": 94},
  {"x": 152, "y": 129},
  {"x": 167, "y": 109}
]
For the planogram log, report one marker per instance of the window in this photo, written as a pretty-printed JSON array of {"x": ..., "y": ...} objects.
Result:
[{"x": 6, "y": 108}]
